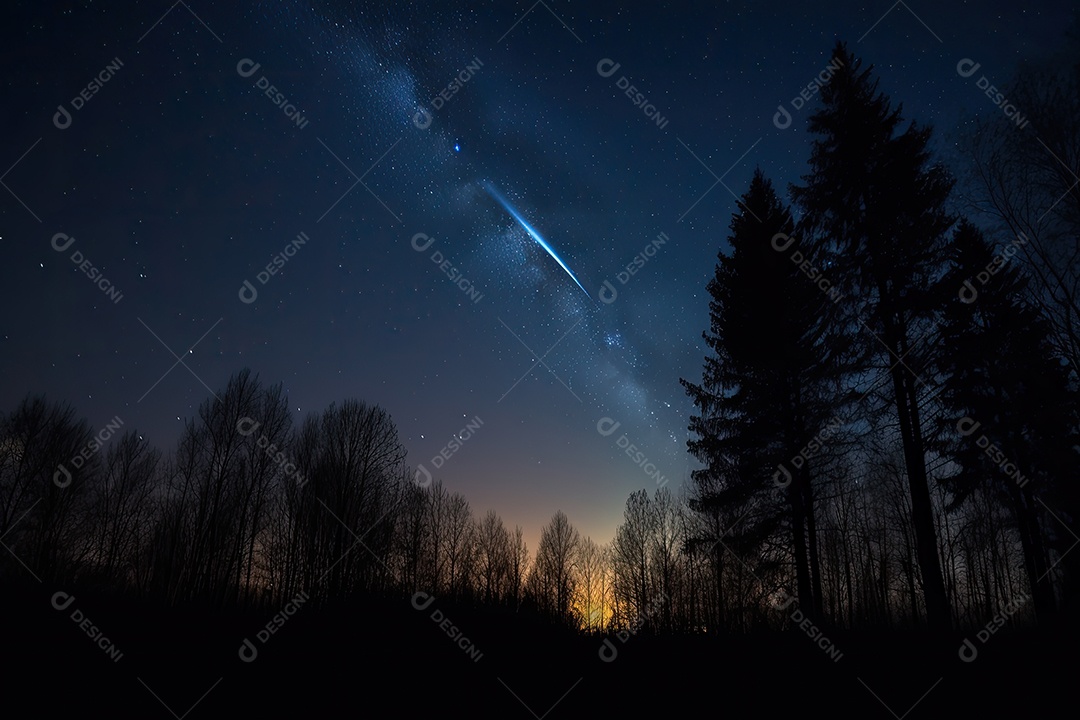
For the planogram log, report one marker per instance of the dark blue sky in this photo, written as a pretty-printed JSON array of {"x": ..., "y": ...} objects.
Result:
[{"x": 180, "y": 179}]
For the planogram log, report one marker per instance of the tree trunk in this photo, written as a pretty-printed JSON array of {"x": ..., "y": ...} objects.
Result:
[{"x": 922, "y": 514}]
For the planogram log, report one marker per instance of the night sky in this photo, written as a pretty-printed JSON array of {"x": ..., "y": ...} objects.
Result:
[{"x": 180, "y": 179}]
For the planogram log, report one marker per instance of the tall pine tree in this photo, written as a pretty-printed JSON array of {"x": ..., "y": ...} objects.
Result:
[
  {"x": 764, "y": 392},
  {"x": 1007, "y": 392},
  {"x": 874, "y": 197}
]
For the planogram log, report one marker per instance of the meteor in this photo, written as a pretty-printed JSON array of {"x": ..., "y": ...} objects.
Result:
[{"x": 532, "y": 232}]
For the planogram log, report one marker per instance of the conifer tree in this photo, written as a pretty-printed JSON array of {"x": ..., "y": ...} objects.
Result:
[
  {"x": 875, "y": 198},
  {"x": 1009, "y": 409},
  {"x": 764, "y": 394}
]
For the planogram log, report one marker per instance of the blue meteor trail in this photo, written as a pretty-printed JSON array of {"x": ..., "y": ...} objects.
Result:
[{"x": 532, "y": 231}]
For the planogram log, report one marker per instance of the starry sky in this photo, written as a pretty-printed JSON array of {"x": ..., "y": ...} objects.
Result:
[{"x": 405, "y": 171}]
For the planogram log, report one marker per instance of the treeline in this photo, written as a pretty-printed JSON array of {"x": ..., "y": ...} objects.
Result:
[
  {"x": 887, "y": 416},
  {"x": 246, "y": 510},
  {"x": 249, "y": 510}
]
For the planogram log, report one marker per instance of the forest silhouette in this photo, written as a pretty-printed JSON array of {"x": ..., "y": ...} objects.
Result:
[{"x": 887, "y": 426}]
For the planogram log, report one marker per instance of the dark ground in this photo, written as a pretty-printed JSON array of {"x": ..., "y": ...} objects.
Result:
[{"x": 386, "y": 658}]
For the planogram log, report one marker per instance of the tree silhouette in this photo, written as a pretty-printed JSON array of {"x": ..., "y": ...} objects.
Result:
[
  {"x": 120, "y": 510},
  {"x": 217, "y": 496},
  {"x": 493, "y": 558},
  {"x": 46, "y": 475},
  {"x": 350, "y": 461},
  {"x": 766, "y": 390},
  {"x": 1023, "y": 180},
  {"x": 631, "y": 553},
  {"x": 874, "y": 196},
  {"x": 553, "y": 580},
  {"x": 1004, "y": 383}
]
